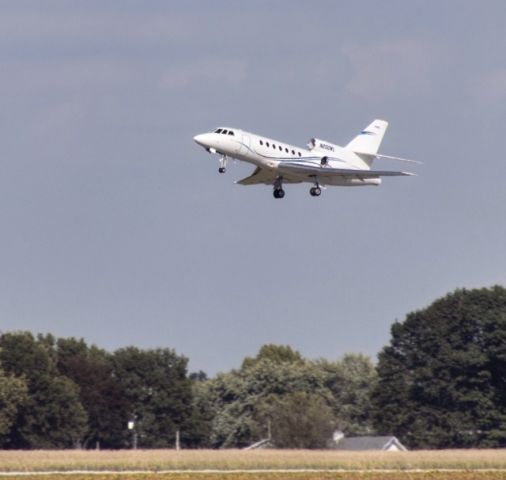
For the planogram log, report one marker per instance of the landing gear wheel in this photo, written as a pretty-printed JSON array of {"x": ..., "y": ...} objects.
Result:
[
  {"x": 315, "y": 191},
  {"x": 279, "y": 193},
  {"x": 223, "y": 164}
]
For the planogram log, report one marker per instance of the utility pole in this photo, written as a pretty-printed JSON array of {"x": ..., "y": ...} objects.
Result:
[
  {"x": 134, "y": 443},
  {"x": 131, "y": 426},
  {"x": 178, "y": 445}
]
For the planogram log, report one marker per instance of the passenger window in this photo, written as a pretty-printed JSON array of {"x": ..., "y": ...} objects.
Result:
[
  {"x": 231, "y": 132},
  {"x": 261, "y": 143},
  {"x": 298, "y": 153},
  {"x": 286, "y": 150},
  {"x": 280, "y": 148},
  {"x": 267, "y": 143},
  {"x": 224, "y": 132},
  {"x": 273, "y": 146},
  {"x": 293, "y": 152}
]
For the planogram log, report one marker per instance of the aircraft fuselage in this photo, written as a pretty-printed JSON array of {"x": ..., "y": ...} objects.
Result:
[
  {"x": 284, "y": 159},
  {"x": 322, "y": 163}
]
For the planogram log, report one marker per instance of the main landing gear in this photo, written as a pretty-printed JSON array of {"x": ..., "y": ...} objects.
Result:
[
  {"x": 278, "y": 193},
  {"x": 223, "y": 164},
  {"x": 278, "y": 188},
  {"x": 315, "y": 191}
]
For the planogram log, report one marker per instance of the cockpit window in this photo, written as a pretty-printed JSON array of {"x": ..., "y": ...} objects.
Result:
[
  {"x": 218, "y": 131},
  {"x": 231, "y": 132},
  {"x": 224, "y": 132}
]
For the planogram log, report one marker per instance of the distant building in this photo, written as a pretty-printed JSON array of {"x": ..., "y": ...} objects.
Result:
[
  {"x": 385, "y": 443},
  {"x": 262, "y": 444},
  {"x": 340, "y": 442}
]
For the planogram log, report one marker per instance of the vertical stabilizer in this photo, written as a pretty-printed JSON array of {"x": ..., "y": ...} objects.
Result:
[{"x": 369, "y": 139}]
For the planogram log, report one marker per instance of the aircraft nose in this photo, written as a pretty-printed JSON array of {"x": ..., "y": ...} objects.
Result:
[{"x": 201, "y": 139}]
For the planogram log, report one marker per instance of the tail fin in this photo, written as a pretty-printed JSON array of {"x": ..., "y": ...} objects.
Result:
[{"x": 369, "y": 139}]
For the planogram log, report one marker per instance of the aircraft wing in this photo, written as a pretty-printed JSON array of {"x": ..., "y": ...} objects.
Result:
[
  {"x": 266, "y": 177},
  {"x": 322, "y": 172},
  {"x": 378, "y": 173},
  {"x": 260, "y": 175},
  {"x": 363, "y": 173}
]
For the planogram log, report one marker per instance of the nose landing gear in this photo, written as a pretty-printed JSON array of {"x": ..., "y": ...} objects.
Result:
[{"x": 223, "y": 164}]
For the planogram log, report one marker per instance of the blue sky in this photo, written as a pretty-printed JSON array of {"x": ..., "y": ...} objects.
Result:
[{"x": 117, "y": 228}]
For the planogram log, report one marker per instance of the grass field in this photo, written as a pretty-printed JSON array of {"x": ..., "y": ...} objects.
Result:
[
  {"x": 260, "y": 464},
  {"x": 284, "y": 476}
]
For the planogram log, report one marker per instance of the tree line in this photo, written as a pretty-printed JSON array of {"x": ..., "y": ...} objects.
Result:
[{"x": 440, "y": 383}]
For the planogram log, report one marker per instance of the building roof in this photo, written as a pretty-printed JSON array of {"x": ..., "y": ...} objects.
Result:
[
  {"x": 369, "y": 443},
  {"x": 265, "y": 443}
]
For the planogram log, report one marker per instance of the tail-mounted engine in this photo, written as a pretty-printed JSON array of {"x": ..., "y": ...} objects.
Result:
[{"x": 321, "y": 146}]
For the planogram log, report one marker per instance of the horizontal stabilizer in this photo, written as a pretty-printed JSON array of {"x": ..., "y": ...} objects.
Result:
[{"x": 389, "y": 157}]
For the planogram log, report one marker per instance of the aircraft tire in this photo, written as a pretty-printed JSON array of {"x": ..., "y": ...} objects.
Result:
[{"x": 222, "y": 169}]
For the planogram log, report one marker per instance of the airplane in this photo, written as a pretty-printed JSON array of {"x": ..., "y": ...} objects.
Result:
[{"x": 321, "y": 164}]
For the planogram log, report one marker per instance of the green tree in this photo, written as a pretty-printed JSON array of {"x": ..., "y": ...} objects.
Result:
[
  {"x": 21, "y": 354},
  {"x": 100, "y": 392},
  {"x": 274, "y": 353},
  {"x": 297, "y": 420},
  {"x": 52, "y": 415},
  {"x": 442, "y": 379},
  {"x": 351, "y": 381},
  {"x": 13, "y": 394},
  {"x": 236, "y": 396},
  {"x": 158, "y": 392},
  {"x": 197, "y": 431}
]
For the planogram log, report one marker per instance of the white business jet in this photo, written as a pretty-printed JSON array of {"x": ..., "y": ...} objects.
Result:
[{"x": 322, "y": 164}]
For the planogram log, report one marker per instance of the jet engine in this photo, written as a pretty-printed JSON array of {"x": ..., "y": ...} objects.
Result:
[{"x": 321, "y": 145}]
